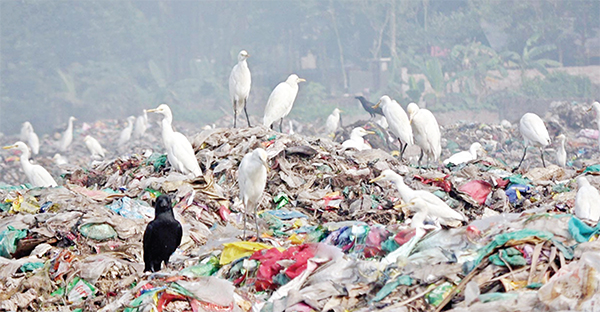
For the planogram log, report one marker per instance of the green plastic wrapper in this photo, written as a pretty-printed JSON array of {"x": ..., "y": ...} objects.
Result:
[
  {"x": 97, "y": 231},
  {"x": 518, "y": 179},
  {"x": 436, "y": 296},
  {"x": 9, "y": 239},
  {"x": 281, "y": 199},
  {"x": 511, "y": 255},
  {"x": 592, "y": 168},
  {"x": 203, "y": 269},
  {"x": 31, "y": 266},
  {"x": 390, "y": 286}
]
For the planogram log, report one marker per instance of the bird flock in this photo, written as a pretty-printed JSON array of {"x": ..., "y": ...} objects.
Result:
[{"x": 413, "y": 126}]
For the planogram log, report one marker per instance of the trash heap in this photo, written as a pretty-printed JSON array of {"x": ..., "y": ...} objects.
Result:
[{"x": 331, "y": 240}]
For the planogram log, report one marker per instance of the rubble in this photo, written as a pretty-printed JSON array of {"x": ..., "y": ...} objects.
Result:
[{"x": 332, "y": 241}]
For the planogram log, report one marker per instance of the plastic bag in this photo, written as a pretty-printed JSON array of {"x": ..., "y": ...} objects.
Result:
[{"x": 9, "y": 239}]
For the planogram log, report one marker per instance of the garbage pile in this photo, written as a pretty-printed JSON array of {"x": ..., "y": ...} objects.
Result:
[{"x": 332, "y": 241}]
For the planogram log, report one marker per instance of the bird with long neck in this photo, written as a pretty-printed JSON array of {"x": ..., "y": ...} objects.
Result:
[
  {"x": 240, "y": 82},
  {"x": 398, "y": 122},
  {"x": 179, "y": 149},
  {"x": 36, "y": 174},
  {"x": 426, "y": 132},
  {"x": 561, "y": 153},
  {"x": 465, "y": 156},
  {"x": 281, "y": 101},
  {"x": 534, "y": 133},
  {"x": 67, "y": 136}
]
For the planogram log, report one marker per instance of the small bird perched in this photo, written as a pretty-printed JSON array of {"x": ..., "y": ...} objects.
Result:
[
  {"x": 368, "y": 106},
  {"x": 93, "y": 146},
  {"x": 436, "y": 205},
  {"x": 162, "y": 235},
  {"x": 141, "y": 124},
  {"x": 36, "y": 174},
  {"x": 397, "y": 121},
  {"x": 426, "y": 132},
  {"x": 240, "y": 81},
  {"x": 67, "y": 136},
  {"x": 534, "y": 133},
  {"x": 439, "y": 213},
  {"x": 561, "y": 153},
  {"x": 252, "y": 179},
  {"x": 32, "y": 139},
  {"x": 179, "y": 149},
  {"x": 465, "y": 156},
  {"x": 333, "y": 121},
  {"x": 281, "y": 101},
  {"x": 59, "y": 160},
  {"x": 126, "y": 133},
  {"x": 587, "y": 201},
  {"x": 356, "y": 139}
]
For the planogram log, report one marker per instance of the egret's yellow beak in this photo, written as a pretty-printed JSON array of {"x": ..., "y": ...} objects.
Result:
[
  {"x": 151, "y": 110},
  {"x": 375, "y": 179},
  {"x": 400, "y": 206},
  {"x": 341, "y": 111},
  {"x": 377, "y": 105},
  {"x": 590, "y": 109},
  {"x": 266, "y": 166},
  {"x": 9, "y": 146},
  {"x": 301, "y": 79},
  {"x": 371, "y": 132}
]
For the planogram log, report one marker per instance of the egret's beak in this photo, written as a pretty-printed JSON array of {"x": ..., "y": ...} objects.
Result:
[
  {"x": 151, "y": 110},
  {"x": 590, "y": 109},
  {"x": 410, "y": 120},
  {"x": 371, "y": 132},
  {"x": 399, "y": 206},
  {"x": 247, "y": 55},
  {"x": 375, "y": 179},
  {"x": 9, "y": 146},
  {"x": 341, "y": 111},
  {"x": 266, "y": 166},
  {"x": 301, "y": 79},
  {"x": 377, "y": 105}
]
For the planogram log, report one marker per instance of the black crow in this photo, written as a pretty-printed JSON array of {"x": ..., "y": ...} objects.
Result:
[
  {"x": 368, "y": 106},
  {"x": 162, "y": 235}
]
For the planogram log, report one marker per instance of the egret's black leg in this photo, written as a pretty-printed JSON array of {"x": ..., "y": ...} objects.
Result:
[
  {"x": 280, "y": 123},
  {"x": 246, "y": 112},
  {"x": 234, "y": 115},
  {"x": 420, "y": 157},
  {"x": 542, "y": 153},
  {"x": 522, "y": 158}
]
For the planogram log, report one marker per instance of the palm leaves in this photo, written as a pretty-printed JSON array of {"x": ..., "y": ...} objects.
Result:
[{"x": 529, "y": 59}]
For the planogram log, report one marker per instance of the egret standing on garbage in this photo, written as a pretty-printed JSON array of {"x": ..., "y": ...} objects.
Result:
[
  {"x": 179, "y": 149},
  {"x": 126, "y": 133},
  {"x": 440, "y": 213},
  {"x": 333, "y": 121},
  {"x": 67, "y": 136},
  {"x": 534, "y": 133},
  {"x": 162, "y": 235},
  {"x": 426, "y": 132},
  {"x": 36, "y": 174},
  {"x": 434, "y": 206},
  {"x": 252, "y": 179},
  {"x": 357, "y": 140},
  {"x": 93, "y": 146},
  {"x": 465, "y": 156},
  {"x": 561, "y": 153},
  {"x": 239, "y": 86},
  {"x": 32, "y": 139},
  {"x": 397, "y": 121},
  {"x": 587, "y": 201},
  {"x": 281, "y": 101},
  {"x": 141, "y": 124}
]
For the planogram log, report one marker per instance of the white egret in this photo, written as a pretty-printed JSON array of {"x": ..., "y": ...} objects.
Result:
[
  {"x": 126, "y": 133},
  {"x": 356, "y": 140},
  {"x": 333, "y": 121},
  {"x": 534, "y": 133},
  {"x": 435, "y": 205},
  {"x": 252, "y": 179},
  {"x": 141, "y": 125},
  {"x": 397, "y": 121},
  {"x": 67, "y": 136},
  {"x": 281, "y": 101},
  {"x": 426, "y": 132},
  {"x": 465, "y": 156},
  {"x": 561, "y": 153},
  {"x": 596, "y": 107},
  {"x": 179, "y": 149},
  {"x": 240, "y": 81},
  {"x": 586, "y": 201},
  {"x": 439, "y": 213},
  {"x": 31, "y": 137},
  {"x": 24, "y": 131},
  {"x": 36, "y": 174},
  {"x": 93, "y": 146}
]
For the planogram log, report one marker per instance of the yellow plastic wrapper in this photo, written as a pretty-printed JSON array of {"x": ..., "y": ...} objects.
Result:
[
  {"x": 236, "y": 250},
  {"x": 296, "y": 240}
]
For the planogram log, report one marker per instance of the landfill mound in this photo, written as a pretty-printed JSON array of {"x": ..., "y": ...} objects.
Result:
[{"x": 332, "y": 241}]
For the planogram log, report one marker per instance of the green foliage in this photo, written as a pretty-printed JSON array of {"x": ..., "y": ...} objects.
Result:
[
  {"x": 557, "y": 85},
  {"x": 415, "y": 89}
]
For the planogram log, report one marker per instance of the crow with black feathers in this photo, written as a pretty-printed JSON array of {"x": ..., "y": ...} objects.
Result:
[
  {"x": 368, "y": 106},
  {"x": 162, "y": 235}
]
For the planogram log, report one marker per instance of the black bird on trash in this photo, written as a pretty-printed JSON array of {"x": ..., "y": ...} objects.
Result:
[
  {"x": 162, "y": 235},
  {"x": 368, "y": 106}
]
